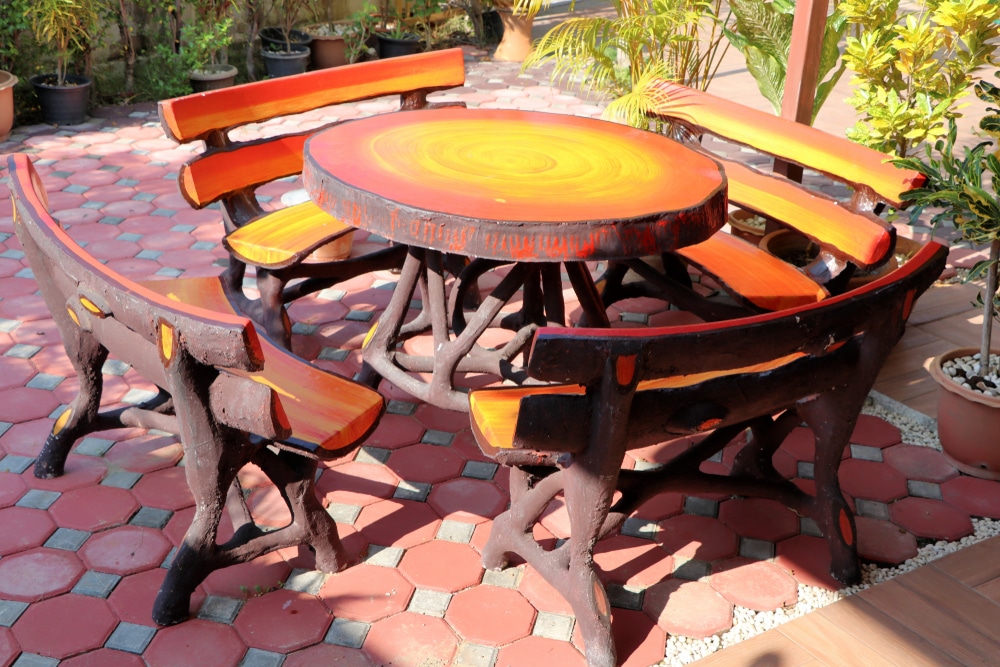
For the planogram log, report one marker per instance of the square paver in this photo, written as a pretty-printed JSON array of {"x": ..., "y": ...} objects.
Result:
[
  {"x": 96, "y": 584},
  {"x": 412, "y": 490},
  {"x": 121, "y": 479},
  {"x": 255, "y": 657},
  {"x": 701, "y": 506},
  {"x": 38, "y": 499},
  {"x": 34, "y": 660},
  {"x": 151, "y": 517},
  {"x": 10, "y": 611},
  {"x": 131, "y": 638},
  {"x": 67, "y": 539},
  {"x": 474, "y": 655},
  {"x": 624, "y": 597},
  {"x": 45, "y": 381},
  {"x": 440, "y": 438},
  {"x": 636, "y": 527},
  {"x": 344, "y": 632},
  {"x": 376, "y": 455},
  {"x": 220, "y": 609},
  {"x": 507, "y": 578},
  {"x": 398, "y": 407},
  {"x": 343, "y": 513},
  {"x": 384, "y": 556},
  {"x": 553, "y": 626},
  {"x": 429, "y": 603},
  {"x": 93, "y": 446},
  {"x": 756, "y": 549},
  {"x": 15, "y": 464},
  {"x": 455, "y": 531},
  {"x": 305, "y": 581},
  {"x": 480, "y": 469}
]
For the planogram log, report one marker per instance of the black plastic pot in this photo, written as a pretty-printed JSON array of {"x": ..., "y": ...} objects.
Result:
[
  {"x": 62, "y": 105},
  {"x": 285, "y": 63},
  {"x": 492, "y": 26},
  {"x": 213, "y": 78},
  {"x": 390, "y": 47},
  {"x": 272, "y": 38}
]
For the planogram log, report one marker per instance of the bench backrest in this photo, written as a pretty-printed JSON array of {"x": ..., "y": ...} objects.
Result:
[
  {"x": 229, "y": 169},
  {"x": 143, "y": 328}
]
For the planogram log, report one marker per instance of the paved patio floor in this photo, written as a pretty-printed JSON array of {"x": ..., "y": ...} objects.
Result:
[{"x": 81, "y": 557}]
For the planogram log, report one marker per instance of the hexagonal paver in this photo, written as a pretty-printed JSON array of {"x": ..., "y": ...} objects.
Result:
[
  {"x": 426, "y": 463},
  {"x": 632, "y": 561},
  {"x": 934, "y": 519},
  {"x": 638, "y": 640},
  {"x": 195, "y": 642},
  {"x": 80, "y": 471},
  {"x": 919, "y": 463},
  {"x": 26, "y": 439},
  {"x": 24, "y": 404},
  {"x": 884, "y": 542},
  {"x": 490, "y": 615},
  {"x": 442, "y": 566},
  {"x": 328, "y": 654},
  {"x": 875, "y": 432},
  {"x": 399, "y": 523},
  {"x": 661, "y": 506},
  {"x": 94, "y": 507},
  {"x": 268, "y": 507},
  {"x": 147, "y": 453},
  {"x": 468, "y": 500},
  {"x": 9, "y": 649},
  {"x": 64, "y": 626},
  {"x": 757, "y": 585},
  {"x": 555, "y": 518},
  {"x": 262, "y": 574},
  {"x": 411, "y": 640},
  {"x": 132, "y": 599},
  {"x": 807, "y": 559},
  {"x": 104, "y": 657},
  {"x": 125, "y": 550},
  {"x": 282, "y": 621},
  {"x": 23, "y": 528},
  {"x": 800, "y": 444},
  {"x": 872, "y": 481},
  {"x": 542, "y": 595},
  {"x": 692, "y": 536},
  {"x": 165, "y": 489},
  {"x": 540, "y": 652},
  {"x": 38, "y": 574},
  {"x": 396, "y": 431},
  {"x": 759, "y": 518},
  {"x": 978, "y": 497},
  {"x": 366, "y": 593},
  {"x": 11, "y": 488},
  {"x": 357, "y": 483},
  {"x": 670, "y": 603}
]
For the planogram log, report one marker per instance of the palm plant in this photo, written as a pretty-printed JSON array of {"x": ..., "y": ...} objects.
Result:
[
  {"x": 762, "y": 31},
  {"x": 68, "y": 25},
  {"x": 680, "y": 40}
]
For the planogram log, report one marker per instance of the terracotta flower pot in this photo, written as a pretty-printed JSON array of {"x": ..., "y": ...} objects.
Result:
[
  {"x": 328, "y": 51},
  {"x": 968, "y": 422},
  {"x": 7, "y": 83},
  {"x": 742, "y": 224},
  {"x": 516, "y": 43}
]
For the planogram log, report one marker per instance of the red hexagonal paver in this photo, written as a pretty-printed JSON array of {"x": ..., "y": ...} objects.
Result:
[
  {"x": 146, "y": 453},
  {"x": 872, "y": 481},
  {"x": 27, "y": 439},
  {"x": 25, "y": 404},
  {"x": 934, "y": 519},
  {"x": 442, "y": 566},
  {"x": 396, "y": 431},
  {"x": 268, "y": 507},
  {"x": 468, "y": 500},
  {"x": 919, "y": 463},
  {"x": 638, "y": 640},
  {"x": 164, "y": 489},
  {"x": 366, "y": 593},
  {"x": 671, "y": 602},
  {"x": 759, "y": 518},
  {"x": 800, "y": 444},
  {"x": 632, "y": 561},
  {"x": 9, "y": 648},
  {"x": 401, "y": 523},
  {"x": 328, "y": 654},
  {"x": 758, "y": 585},
  {"x": 80, "y": 471},
  {"x": 875, "y": 432},
  {"x": 661, "y": 506},
  {"x": 262, "y": 574},
  {"x": 542, "y": 595},
  {"x": 807, "y": 559},
  {"x": 440, "y": 419},
  {"x": 883, "y": 541},
  {"x": 93, "y": 508},
  {"x": 38, "y": 574},
  {"x": 282, "y": 621},
  {"x": 978, "y": 497},
  {"x": 555, "y": 518},
  {"x": 11, "y": 488},
  {"x": 125, "y": 550},
  {"x": 539, "y": 652},
  {"x": 411, "y": 640},
  {"x": 23, "y": 528},
  {"x": 490, "y": 615},
  {"x": 195, "y": 642},
  {"x": 692, "y": 536},
  {"x": 132, "y": 599},
  {"x": 104, "y": 657},
  {"x": 15, "y": 372},
  {"x": 64, "y": 626},
  {"x": 425, "y": 463},
  {"x": 356, "y": 483}
]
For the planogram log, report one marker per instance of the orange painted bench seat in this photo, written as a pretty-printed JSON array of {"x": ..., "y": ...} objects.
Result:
[{"x": 298, "y": 241}]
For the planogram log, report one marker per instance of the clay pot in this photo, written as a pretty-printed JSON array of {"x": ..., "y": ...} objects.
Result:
[
  {"x": 516, "y": 43},
  {"x": 968, "y": 422},
  {"x": 742, "y": 229},
  {"x": 7, "y": 83},
  {"x": 328, "y": 51}
]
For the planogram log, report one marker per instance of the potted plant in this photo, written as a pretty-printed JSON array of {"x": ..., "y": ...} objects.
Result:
[
  {"x": 12, "y": 23},
  {"x": 964, "y": 192},
  {"x": 68, "y": 26},
  {"x": 285, "y": 50},
  {"x": 205, "y": 42},
  {"x": 395, "y": 38}
]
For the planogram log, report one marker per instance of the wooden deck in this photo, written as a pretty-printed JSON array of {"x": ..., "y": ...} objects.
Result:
[{"x": 945, "y": 613}]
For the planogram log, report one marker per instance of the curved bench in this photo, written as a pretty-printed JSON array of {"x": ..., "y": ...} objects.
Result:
[{"x": 231, "y": 395}]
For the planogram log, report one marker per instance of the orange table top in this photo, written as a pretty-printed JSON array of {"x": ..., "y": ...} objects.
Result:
[{"x": 515, "y": 185}]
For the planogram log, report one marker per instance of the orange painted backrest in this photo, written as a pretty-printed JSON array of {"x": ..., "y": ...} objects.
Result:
[{"x": 794, "y": 142}]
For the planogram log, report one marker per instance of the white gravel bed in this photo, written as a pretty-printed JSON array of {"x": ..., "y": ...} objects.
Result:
[{"x": 916, "y": 429}]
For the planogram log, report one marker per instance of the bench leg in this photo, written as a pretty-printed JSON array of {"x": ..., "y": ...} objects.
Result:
[{"x": 81, "y": 418}]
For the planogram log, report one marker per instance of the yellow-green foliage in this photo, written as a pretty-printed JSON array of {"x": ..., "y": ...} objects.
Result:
[
  {"x": 912, "y": 67},
  {"x": 68, "y": 25},
  {"x": 679, "y": 40}
]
